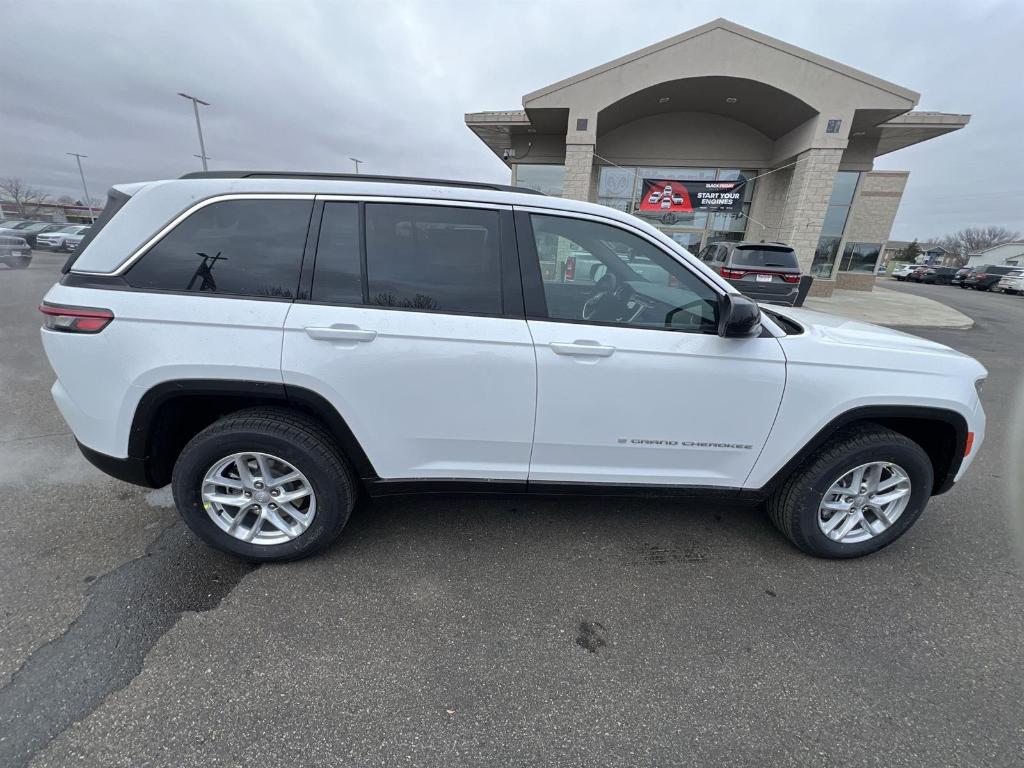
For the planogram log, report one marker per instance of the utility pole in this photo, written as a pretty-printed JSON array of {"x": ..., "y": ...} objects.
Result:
[
  {"x": 357, "y": 161},
  {"x": 81, "y": 173},
  {"x": 199, "y": 126}
]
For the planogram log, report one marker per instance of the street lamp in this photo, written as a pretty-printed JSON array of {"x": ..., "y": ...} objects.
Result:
[
  {"x": 357, "y": 161},
  {"x": 81, "y": 173},
  {"x": 199, "y": 128}
]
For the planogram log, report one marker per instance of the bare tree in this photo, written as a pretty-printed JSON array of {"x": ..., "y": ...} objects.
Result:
[
  {"x": 973, "y": 239},
  {"x": 27, "y": 199}
]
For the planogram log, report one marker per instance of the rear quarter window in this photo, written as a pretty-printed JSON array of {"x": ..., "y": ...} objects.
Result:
[
  {"x": 234, "y": 247},
  {"x": 764, "y": 257}
]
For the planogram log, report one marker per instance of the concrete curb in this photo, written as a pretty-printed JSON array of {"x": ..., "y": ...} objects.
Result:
[{"x": 883, "y": 306}]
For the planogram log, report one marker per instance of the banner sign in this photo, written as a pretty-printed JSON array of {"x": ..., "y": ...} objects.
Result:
[{"x": 675, "y": 196}]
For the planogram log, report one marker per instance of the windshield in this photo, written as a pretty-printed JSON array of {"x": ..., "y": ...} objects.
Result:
[{"x": 764, "y": 257}]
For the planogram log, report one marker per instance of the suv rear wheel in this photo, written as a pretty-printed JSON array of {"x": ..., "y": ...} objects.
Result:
[
  {"x": 860, "y": 493},
  {"x": 265, "y": 484}
]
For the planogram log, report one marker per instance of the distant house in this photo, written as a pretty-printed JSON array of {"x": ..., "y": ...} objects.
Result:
[
  {"x": 1007, "y": 254},
  {"x": 932, "y": 254}
]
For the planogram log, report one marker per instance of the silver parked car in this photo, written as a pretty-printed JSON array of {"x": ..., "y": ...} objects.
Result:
[{"x": 14, "y": 251}]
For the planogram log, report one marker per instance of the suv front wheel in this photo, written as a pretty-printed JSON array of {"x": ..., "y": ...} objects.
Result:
[
  {"x": 859, "y": 493},
  {"x": 265, "y": 484}
]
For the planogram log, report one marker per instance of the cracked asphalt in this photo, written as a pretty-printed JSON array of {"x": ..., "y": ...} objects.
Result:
[{"x": 466, "y": 631}]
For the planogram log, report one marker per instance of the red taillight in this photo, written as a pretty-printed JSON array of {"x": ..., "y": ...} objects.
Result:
[
  {"x": 732, "y": 274},
  {"x": 981, "y": 275},
  {"x": 969, "y": 444},
  {"x": 75, "y": 319},
  {"x": 791, "y": 278},
  {"x": 570, "y": 268}
]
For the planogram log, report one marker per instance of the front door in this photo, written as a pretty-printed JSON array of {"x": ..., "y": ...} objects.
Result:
[
  {"x": 413, "y": 333},
  {"x": 634, "y": 386}
]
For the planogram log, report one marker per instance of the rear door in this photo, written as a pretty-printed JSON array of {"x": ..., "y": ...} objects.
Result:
[
  {"x": 411, "y": 324},
  {"x": 634, "y": 386}
]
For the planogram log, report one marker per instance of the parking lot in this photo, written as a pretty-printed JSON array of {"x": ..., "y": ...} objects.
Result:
[{"x": 480, "y": 631}]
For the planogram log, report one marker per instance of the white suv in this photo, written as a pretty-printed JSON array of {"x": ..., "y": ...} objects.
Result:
[{"x": 274, "y": 345}]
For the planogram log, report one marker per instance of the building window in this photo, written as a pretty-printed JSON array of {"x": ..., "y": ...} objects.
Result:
[
  {"x": 620, "y": 188},
  {"x": 843, "y": 190},
  {"x": 549, "y": 179},
  {"x": 860, "y": 257},
  {"x": 825, "y": 256}
]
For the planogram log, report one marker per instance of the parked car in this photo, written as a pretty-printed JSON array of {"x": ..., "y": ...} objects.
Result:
[
  {"x": 961, "y": 275},
  {"x": 903, "y": 272},
  {"x": 918, "y": 274},
  {"x": 767, "y": 272},
  {"x": 939, "y": 275},
  {"x": 985, "y": 278},
  {"x": 73, "y": 241},
  {"x": 429, "y": 352},
  {"x": 1012, "y": 282},
  {"x": 14, "y": 252},
  {"x": 30, "y": 230},
  {"x": 55, "y": 240}
]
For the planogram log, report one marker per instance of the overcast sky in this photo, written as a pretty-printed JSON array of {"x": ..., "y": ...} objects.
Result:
[{"x": 305, "y": 85}]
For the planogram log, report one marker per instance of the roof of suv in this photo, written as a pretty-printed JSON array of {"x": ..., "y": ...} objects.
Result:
[
  {"x": 356, "y": 177},
  {"x": 761, "y": 244},
  {"x": 142, "y": 212}
]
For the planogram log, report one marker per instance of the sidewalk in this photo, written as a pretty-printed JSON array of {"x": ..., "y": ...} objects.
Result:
[{"x": 886, "y": 307}]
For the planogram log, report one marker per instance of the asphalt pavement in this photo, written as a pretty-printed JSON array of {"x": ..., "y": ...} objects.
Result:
[{"x": 467, "y": 631}]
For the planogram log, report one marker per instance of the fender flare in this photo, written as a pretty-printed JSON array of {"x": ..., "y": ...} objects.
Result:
[
  {"x": 944, "y": 476},
  {"x": 148, "y": 408}
]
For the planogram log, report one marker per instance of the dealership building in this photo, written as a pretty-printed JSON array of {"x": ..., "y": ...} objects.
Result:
[{"x": 754, "y": 138}]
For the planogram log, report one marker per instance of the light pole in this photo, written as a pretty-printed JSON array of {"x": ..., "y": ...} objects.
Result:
[
  {"x": 81, "y": 173},
  {"x": 199, "y": 127},
  {"x": 357, "y": 161}
]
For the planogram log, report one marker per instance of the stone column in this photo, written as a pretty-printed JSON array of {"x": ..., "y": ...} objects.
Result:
[
  {"x": 810, "y": 189},
  {"x": 580, "y": 139}
]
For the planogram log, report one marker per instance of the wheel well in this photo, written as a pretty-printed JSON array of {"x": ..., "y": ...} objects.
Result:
[
  {"x": 937, "y": 438},
  {"x": 172, "y": 414},
  {"x": 941, "y": 434}
]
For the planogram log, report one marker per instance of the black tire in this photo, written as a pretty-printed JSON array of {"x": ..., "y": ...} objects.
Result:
[
  {"x": 794, "y": 506},
  {"x": 280, "y": 432}
]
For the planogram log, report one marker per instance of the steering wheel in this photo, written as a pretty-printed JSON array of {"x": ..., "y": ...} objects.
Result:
[{"x": 604, "y": 292}]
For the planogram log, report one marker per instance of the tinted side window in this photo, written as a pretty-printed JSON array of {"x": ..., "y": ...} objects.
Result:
[
  {"x": 433, "y": 257},
  {"x": 235, "y": 247},
  {"x": 637, "y": 284},
  {"x": 338, "y": 275}
]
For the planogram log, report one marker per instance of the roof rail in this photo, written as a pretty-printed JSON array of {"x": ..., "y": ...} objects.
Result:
[{"x": 356, "y": 177}]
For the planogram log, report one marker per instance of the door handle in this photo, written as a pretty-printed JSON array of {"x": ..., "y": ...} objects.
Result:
[
  {"x": 340, "y": 333},
  {"x": 581, "y": 348}
]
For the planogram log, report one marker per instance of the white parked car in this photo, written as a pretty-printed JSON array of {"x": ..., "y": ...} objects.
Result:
[
  {"x": 1012, "y": 282},
  {"x": 904, "y": 272},
  {"x": 57, "y": 240},
  {"x": 275, "y": 345}
]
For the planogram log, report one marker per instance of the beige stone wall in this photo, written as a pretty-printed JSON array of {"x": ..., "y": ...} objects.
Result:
[
  {"x": 768, "y": 205},
  {"x": 855, "y": 281},
  {"x": 579, "y": 171},
  {"x": 807, "y": 200},
  {"x": 874, "y": 207}
]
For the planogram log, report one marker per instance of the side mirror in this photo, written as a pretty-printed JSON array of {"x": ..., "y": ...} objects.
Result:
[{"x": 738, "y": 317}]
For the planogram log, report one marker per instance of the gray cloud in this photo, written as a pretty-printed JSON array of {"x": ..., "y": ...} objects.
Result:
[{"x": 304, "y": 85}]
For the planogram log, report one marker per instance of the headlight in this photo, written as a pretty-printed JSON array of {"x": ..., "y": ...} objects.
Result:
[{"x": 979, "y": 384}]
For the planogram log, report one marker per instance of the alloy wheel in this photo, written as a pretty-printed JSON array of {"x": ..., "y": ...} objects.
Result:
[
  {"x": 864, "y": 502},
  {"x": 258, "y": 498}
]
